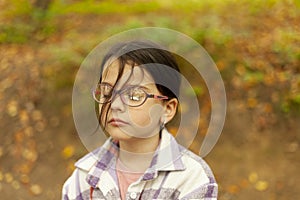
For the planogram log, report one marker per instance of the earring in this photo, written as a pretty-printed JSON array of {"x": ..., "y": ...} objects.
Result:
[{"x": 162, "y": 125}]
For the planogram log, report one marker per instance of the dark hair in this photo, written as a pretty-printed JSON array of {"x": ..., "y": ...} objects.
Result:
[{"x": 147, "y": 54}]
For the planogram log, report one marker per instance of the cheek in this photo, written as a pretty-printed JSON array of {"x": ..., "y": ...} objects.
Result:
[
  {"x": 139, "y": 118},
  {"x": 146, "y": 116}
]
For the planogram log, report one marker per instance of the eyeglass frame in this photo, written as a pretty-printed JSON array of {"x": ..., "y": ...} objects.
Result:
[{"x": 119, "y": 92}]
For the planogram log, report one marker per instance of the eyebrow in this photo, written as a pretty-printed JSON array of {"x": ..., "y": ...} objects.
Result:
[{"x": 141, "y": 86}]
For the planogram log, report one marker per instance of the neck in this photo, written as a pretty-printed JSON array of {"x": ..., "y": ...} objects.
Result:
[{"x": 136, "y": 154}]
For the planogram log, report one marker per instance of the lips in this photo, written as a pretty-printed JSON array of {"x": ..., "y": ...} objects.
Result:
[{"x": 117, "y": 122}]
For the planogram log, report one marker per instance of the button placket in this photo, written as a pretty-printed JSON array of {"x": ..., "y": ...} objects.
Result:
[
  {"x": 133, "y": 195},
  {"x": 135, "y": 189}
]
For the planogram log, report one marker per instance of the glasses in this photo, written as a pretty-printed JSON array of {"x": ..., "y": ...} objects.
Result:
[{"x": 132, "y": 96}]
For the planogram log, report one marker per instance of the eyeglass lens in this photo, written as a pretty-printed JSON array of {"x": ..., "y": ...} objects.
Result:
[{"x": 132, "y": 96}]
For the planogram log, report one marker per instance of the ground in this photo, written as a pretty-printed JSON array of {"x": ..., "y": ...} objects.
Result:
[{"x": 39, "y": 143}]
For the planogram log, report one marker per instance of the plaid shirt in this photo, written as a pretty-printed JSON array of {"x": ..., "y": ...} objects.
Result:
[{"x": 174, "y": 173}]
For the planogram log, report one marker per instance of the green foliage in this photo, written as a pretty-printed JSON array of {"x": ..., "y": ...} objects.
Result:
[
  {"x": 17, "y": 33},
  {"x": 103, "y": 7},
  {"x": 129, "y": 24},
  {"x": 287, "y": 43},
  {"x": 253, "y": 77},
  {"x": 262, "y": 36},
  {"x": 17, "y": 8},
  {"x": 197, "y": 90},
  {"x": 25, "y": 23},
  {"x": 296, "y": 99}
]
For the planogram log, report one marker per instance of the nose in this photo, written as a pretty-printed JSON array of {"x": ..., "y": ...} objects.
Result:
[{"x": 117, "y": 104}]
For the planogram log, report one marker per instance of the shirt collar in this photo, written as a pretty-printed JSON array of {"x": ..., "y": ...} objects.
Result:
[{"x": 167, "y": 157}]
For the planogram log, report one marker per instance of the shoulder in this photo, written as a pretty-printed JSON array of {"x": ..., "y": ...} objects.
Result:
[
  {"x": 83, "y": 166},
  {"x": 76, "y": 184},
  {"x": 196, "y": 180},
  {"x": 202, "y": 184},
  {"x": 186, "y": 166},
  {"x": 197, "y": 165},
  {"x": 89, "y": 160}
]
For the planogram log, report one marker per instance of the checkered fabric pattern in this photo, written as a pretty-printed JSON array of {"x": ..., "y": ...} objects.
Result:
[{"x": 174, "y": 173}]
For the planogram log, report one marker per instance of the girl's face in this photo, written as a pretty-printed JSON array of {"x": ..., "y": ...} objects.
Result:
[{"x": 125, "y": 122}]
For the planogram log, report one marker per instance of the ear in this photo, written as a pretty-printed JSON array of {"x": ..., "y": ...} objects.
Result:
[{"x": 170, "y": 108}]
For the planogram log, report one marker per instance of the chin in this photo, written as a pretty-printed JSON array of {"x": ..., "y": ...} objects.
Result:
[{"x": 118, "y": 134}]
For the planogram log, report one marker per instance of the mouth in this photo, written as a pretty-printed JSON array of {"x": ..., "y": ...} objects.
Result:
[{"x": 117, "y": 122}]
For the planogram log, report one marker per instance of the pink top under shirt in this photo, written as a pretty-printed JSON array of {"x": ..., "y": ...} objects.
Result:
[{"x": 125, "y": 178}]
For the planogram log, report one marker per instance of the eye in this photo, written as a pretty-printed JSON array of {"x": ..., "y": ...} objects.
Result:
[
  {"x": 135, "y": 94},
  {"x": 103, "y": 93},
  {"x": 105, "y": 90}
]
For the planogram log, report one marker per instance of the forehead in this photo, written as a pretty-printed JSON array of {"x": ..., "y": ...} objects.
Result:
[{"x": 131, "y": 75}]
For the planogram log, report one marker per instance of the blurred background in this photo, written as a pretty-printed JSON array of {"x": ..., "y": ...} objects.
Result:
[{"x": 254, "y": 43}]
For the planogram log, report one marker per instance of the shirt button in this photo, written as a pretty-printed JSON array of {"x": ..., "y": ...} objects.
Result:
[{"x": 133, "y": 195}]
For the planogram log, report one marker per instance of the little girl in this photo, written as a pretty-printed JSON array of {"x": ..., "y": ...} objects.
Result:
[{"x": 135, "y": 97}]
